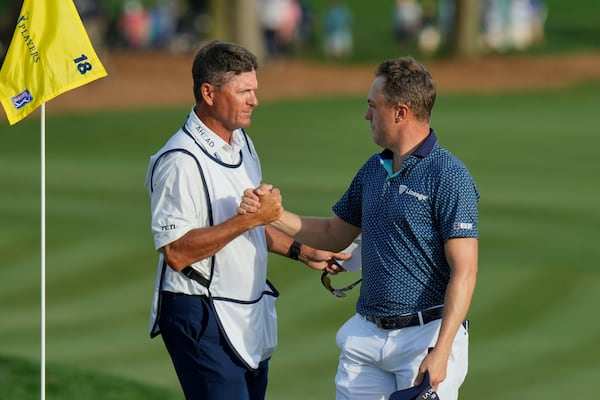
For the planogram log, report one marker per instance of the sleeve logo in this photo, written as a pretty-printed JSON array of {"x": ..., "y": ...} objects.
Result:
[{"x": 463, "y": 225}]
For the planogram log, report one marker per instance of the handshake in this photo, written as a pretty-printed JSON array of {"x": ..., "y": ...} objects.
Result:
[
  {"x": 264, "y": 202},
  {"x": 262, "y": 206}
]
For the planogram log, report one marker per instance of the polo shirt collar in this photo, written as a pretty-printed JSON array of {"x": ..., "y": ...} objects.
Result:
[
  {"x": 425, "y": 148},
  {"x": 213, "y": 143},
  {"x": 386, "y": 156},
  {"x": 422, "y": 151}
]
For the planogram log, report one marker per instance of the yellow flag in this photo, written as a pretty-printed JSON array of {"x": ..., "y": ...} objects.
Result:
[{"x": 50, "y": 53}]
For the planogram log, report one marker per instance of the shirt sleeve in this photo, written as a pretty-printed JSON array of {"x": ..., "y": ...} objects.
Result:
[
  {"x": 456, "y": 203},
  {"x": 177, "y": 200}
]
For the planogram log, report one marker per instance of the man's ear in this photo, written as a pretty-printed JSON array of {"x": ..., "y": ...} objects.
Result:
[
  {"x": 400, "y": 112},
  {"x": 207, "y": 91}
]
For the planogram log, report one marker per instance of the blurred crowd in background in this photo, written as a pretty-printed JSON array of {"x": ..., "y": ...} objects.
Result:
[
  {"x": 505, "y": 25},
  {"x": 175, "y": 25},
  {"x": 290, "y": 25}
]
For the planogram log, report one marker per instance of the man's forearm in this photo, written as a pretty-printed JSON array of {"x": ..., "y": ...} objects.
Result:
[
  {"x": 462, "y": 258},
  {"x": 202, "y": 243},
  {"x": 456, "y": 305},
  {"x": 313, "y": 231},
  {"x": 289, "y": 223}
]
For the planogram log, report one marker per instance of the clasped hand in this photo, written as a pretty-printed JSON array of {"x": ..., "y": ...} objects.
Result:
[
  {"x": 254, "y": 199},
  {"x": 264, "y": 202},
  {"x": 258, "y": 199}
]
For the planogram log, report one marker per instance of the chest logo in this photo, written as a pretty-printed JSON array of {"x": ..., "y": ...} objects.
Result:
[{"x": 404, "y": 189}]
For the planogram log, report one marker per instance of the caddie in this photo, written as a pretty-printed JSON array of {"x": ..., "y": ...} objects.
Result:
[{"x": 212, "y": 304}]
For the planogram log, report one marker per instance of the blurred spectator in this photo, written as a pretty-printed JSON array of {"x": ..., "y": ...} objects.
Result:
[
  {"x": 176, "y": 25},
  {"x": 135, "y": 24},
  {"x": 521, "y": 17},
  {"x": 429, "y": 37},
  {"x": 95, "y": 19},
  {"x": 496, "y": 17},
  {"x": 271, "y": 15},
  {"x": 338, "y": 40},
  {"x": 163, "y": 23},
  {"x": 527, "y": 19},
  {"x": 407, "y": 21},
  {"x": 280, "y": 20},
  {"x": 306, "y": 32},
  {"x": 288, "y": 29},
  {"x": 513, "y": 24}
]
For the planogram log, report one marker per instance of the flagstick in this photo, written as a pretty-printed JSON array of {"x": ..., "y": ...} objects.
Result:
[{"x": 43, "y": 251}]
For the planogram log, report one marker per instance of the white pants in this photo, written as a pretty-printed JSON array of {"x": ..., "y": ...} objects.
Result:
[{"x": 375, "y": 362}]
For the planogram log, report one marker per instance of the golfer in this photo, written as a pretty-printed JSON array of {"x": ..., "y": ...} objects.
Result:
[{"x": 415, "y": 205}]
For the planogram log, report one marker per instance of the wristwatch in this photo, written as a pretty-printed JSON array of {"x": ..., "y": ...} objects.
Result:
[{"x": 295, "y": 250}]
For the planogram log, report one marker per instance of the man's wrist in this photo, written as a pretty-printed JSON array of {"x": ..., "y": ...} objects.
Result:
[{"x": 295, "y": 249}]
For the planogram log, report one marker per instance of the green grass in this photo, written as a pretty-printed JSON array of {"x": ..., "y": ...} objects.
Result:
[
  {"x": 533, "y": 155},
  {"x": 572, "y": 26},
  {"x": 20, "y": 379}
]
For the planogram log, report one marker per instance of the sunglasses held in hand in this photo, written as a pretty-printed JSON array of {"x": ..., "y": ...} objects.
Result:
[{"x": 326, "y": 281}]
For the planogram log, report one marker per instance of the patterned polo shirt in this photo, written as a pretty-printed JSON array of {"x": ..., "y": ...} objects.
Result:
[{"x": 406, "y": 217}]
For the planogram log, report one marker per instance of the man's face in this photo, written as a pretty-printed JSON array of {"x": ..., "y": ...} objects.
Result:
[
  {"x": 235, "y": 100},
  {"x": 379, "y": 114}
]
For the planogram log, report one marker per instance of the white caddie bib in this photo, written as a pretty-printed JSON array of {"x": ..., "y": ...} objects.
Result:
[{"x": 239, "y": 291}]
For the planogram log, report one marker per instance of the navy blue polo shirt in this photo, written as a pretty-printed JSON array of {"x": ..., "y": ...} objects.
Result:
[{"x": 406, "y": 217}]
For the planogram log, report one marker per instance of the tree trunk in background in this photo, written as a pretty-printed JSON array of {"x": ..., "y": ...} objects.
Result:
[
  {"x": 218, "y": 11},
  {"x": 248, "y": 31},
  {"x": 237, "y": 21},
  {"x": 466, "y": 42}
]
